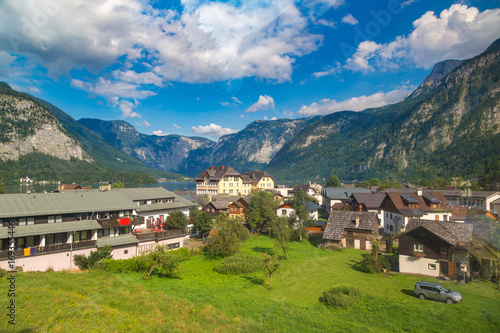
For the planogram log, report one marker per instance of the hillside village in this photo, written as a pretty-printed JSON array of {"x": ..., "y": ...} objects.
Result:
[{"x": 440, "y": 233}]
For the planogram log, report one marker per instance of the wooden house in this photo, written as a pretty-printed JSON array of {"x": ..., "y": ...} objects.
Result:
[{"x": 354, "y": 230}]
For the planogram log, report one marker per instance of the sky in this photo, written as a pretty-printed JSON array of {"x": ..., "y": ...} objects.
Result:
[{"x": 209, "y": 68}]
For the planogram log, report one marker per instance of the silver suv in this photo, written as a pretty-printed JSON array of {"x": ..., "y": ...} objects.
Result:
[{"x": 437, "y": 292}]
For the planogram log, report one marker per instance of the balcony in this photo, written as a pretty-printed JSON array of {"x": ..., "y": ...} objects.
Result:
[
  {"x": 148, "y": 235},
  {"x": 115, "y": 221},
  {"x": 52, "y": 248}
]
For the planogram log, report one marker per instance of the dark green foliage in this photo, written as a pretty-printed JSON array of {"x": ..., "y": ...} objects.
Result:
[
  {"x": 260, "y": 210},
  {"x": 333, "y": 181},
  {"x": 117, "y": 185},
  {"x": 342, "y": 296},
  {"x": 300, "y": 203},
  {"x": 371, "y": 265},
  {"x": 389, "y": 244},
  {"x": 135, "y": 264},
  {"x": 270, "y": 265},
  {"x": 203, "y": 222},
  {"x": 88, "y": 262},
  {"x": 3, "y": 272},
  {"x": 166, "y": 262},
  {"x": 281, "y": 231},
  {"x": 2, "y": 189},
  {"x": 238, "y": 264},
  {"x": 178, "y": 220},
  {"x": 229, "y": 235}
]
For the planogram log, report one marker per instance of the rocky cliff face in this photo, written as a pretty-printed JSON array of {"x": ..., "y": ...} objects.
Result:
[{"x": 27, "y": 127}]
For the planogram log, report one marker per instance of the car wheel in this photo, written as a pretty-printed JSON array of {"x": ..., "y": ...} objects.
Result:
[
  {"x": 422, "y": 296},
  {"x": 449, "y": 301}
]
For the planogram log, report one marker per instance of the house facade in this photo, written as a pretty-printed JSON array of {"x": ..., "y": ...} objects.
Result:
[
  {"x": 354, "y": 230},
  {"x": 257, "y": 179},
  {"x": 435, "y": 248},
  {"x": 338, "y": 195},
  {"x": 311, "y": 189}
]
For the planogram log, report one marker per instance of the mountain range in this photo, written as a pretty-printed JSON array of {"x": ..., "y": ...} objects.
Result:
[{"x": 449, "y": 126}]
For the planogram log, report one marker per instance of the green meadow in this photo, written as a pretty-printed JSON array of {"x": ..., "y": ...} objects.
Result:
[{"x": 202, "y": 300}]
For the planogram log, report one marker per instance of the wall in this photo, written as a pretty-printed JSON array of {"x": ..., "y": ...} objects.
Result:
[
  {"x": 388, "y": 221},
  {"x": 58, "y": 261},
  {"x": 412, "y": 265}
]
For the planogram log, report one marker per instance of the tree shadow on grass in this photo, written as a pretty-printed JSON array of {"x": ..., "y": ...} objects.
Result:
[
  {"x": 254, "y": 280},
  {"x": 315, "y": 240},
  {"x": 267, "y": 250},
  {"x": 408, "y": 292},
  {"x": 356, "y": 265}
]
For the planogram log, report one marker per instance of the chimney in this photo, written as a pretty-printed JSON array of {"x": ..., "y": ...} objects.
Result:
[
  {"x": 211, "y": 167},
  {"x": 419, "y": 192},
  {"x": 357, "y": 221},
  {"x": 222, "y": 167}
]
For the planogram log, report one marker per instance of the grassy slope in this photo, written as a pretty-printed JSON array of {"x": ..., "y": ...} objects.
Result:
[{"x": 203, "y": 300}]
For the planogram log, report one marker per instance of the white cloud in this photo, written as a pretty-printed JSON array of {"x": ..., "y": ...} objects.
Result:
[
  {"x": 274, "y": 118},
  {"x": 326, "y": 23},
  {"x": 265, "y": 102},
  {"x": 459, "y": 32},
  {"x": 327, "y": 106},
  {"x": 126, "y": 107},
  {"x": 159, "y": 133},
  {"x": 330, "y": 70},
  {"x": 349, "y": 19},
  {"x": 236, "y": 100},
  {"x": 143, "y": 123},
  {"x": 176, "y": 126},
  {"x": 212, "y": 130},
  {"x": 224, "y": 103}
]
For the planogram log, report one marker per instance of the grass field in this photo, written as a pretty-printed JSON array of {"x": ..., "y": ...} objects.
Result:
[{"x": 203, "y": 300}]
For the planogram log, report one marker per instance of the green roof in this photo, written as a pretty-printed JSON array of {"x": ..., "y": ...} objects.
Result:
[
  {"x": 117, "y": 240},
  {"x": 81, "y": 201},
  {"x": 49, "y": 228},
  {"x": 148, "y": 193}
]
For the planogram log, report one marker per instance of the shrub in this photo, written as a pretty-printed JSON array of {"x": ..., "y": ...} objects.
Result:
[
  {"x": 135, "y": 264},
  {"x": 49, "y": 270},
  {"x": 238, "y": 264},
  {"x": 395, "y": 248},
  {"x": 3, "y": 272},
  {"x": 372, "y": 265},
  {"x": 342, "y": 296},
  {"x": 84, "y": 262}
]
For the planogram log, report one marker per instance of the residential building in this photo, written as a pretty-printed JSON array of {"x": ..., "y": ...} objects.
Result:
[
  {"x": 255, "y": 180},
  {"x": 238, "y": 208},
  {"x": 216, "y": 207},
  {"x": 435, "y": 248},
  {"x": 368, "y": 202},
  {"x": 286, "y": 209},
  {"x": 333, "y": 195},
  {"x": 354, "y": 230},
  {"x": 313, "y": 190}
]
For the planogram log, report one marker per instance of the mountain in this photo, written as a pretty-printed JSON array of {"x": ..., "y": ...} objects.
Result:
[
  {"x": 185, "y": 155},
  {"x": 451, "y": 127},
  {"x": 41, "y": 141},
  {"x": 438, "y": 73}
]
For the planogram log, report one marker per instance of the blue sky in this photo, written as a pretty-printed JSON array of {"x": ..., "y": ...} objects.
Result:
[{"x": 209, "y": 68}]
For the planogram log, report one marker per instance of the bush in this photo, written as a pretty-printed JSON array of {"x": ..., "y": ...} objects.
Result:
[
  {"x": 84, "y": 262},
  {"x": 395, "y": 248},
  {"x": 135, "y": 264},
  {"x": 3, "y": 272},
  {"x": 342, "y": 296},
  {"x": 238, "y": 264},
  {"x": 371, "y": 265}
]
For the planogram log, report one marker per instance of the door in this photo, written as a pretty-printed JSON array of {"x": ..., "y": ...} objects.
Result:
[
  {"x": 356, "y": 244},
  {"x": 444, "y": 268},
  {"x": 350, "y": 243},
  {"x": 452, "y": 270},
  {"x": 363, "y": 245}
]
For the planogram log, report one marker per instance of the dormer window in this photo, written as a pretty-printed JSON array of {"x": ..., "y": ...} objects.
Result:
[{"x": 418, "y": 248}]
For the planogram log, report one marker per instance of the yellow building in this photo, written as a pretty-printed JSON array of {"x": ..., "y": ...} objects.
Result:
[{"x": 226, "y": 180}]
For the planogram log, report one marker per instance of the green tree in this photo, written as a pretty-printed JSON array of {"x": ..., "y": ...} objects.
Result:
[
  {"x": 203, "y": 222},
  {"x": 300, "y": 203},
  {"x": 333, "y": 181},
  {"x": 375, "y": 182},
  {"x": 177, "y": 219},
  {"x": 229, "y": 235},
  {"x": 88, "y": 262},
  {"x": 281, "y": 231},
  {"x": 117, "y": 185},
  {"x": 260, "y": 210},
  {"x": 166, "y": 262},
  {"x": 270, "y": 264},
  {"x": 2, "y": 189}
]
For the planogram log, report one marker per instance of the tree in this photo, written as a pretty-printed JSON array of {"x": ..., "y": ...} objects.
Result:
[
  {"x": 229, "y": 234},
  {"x": 300, "y": 203},
  {"x": 260, "y": 210},
  {"x": 333, "y": 181},
  {"x": 282, "y": 232},
  {"x": 2, "y": 189},
  {"x": 88, "y": 262},
  {"x": 203, "y": 222},
  {"x": 117, "y": 185},
  {"x": 270, "y": 264},
  {"x": 166, "y": 261},
  {"x": 177, "y": 219}
]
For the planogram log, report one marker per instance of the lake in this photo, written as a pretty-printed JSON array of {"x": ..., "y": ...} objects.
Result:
[{"x": 171, "y": 186}]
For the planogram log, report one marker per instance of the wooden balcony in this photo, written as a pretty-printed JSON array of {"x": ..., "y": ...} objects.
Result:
[
  {"x": 115, "y": 222},
  {"x": 52, "y": 249},
  {"x": 157, "y": 236}
]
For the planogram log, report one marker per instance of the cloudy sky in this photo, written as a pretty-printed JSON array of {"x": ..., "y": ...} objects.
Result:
[{"x": 209, "y": 68}]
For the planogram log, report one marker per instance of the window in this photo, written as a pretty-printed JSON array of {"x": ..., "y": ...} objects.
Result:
[
  {"x": 125, "y": 252},
  {"x": 390, "y": 227},
  {"x": 283, "y": 212},
  {"x": 122, "y": 213},
  {"x": 418, "y": 247},
  {"x": 22, "y": 221},
  {"x": 432, "y": 267},
  {"x": 173, "y": 246},
  {"x": 58, "y": 218},
  {"x": 391, "y": 215},
  {"x": 436, "y": 217},
  {"x": 31, "y": 221},
  {"x": 443, "y": 250}
]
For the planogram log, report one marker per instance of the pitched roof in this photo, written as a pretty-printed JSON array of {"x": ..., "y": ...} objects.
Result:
[
  {"x": 370, "y": 200},
  {"x": 220, "y": 205},
  {"x": 452, "y": 233},
  {"x": 51, "y": 228},
  {"x": 225, "y": 197},
  {"x": 147, "y": 193},
  {"x": 217, "y": 173},
  {"x": 399, "y": 200},
  {"x": 254, "y": 176},
  {"x": 117, "y": 240},
  {"x": 179, "y": 203},
  {"x": 341, "y": 193},
  {"x": 306, "y": 187},
  {"x": 313, "y": 206},
  {"x": 340, "y": 220},
  {"x": 190, "y": 195},
  {"x": 78, "y": 201}
]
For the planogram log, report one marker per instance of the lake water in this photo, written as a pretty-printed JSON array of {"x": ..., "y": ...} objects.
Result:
[{"x": 171, "y": 186}]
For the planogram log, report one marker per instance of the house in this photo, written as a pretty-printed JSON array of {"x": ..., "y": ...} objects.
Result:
[
  {"x": 286, "y": 209},
  {"x": 333, "y": 195},
  {"x": 73, "y": 186},
  {"x": 368, "y": 202},
  {"x": 313, "y": 190},
  {"x": 191, "y": 196},
  {"x": 354, "y": 230},
  {"x": 469, "y": 215},
  {"x": 400, "y": 207},
  {"x": 238, "y": 208},
  {"x": 217, "y": 207},
  {"x": 483, "y": 200},
  {"x": 435, "y": 248},
  {"x": 50, "y": 228},
  {"x": 257, "y": 179}
]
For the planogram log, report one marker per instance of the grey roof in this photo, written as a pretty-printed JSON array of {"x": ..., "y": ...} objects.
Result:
[
  {"x": 431, "y": 198},
  {"x": 217, "y": 173},
  {"x": 408, "y": 198},
  {"x": 148, "y": 193},
  {"x": 50, "y": 228},
  {"x": 220, "y": 205},
  {"x": 254, "y": 176},
  {"x": 225, "y": 197},
  {"x": 451, "y": 232},
  {"x": 312, "y": 206},
  {"x": 80, "y": 201},
  {"x": 412, "y": 212},
  {"x": 339, "y": 220},
  {"x": 340, "y": 193},
  {"x": 370, "y": 200},
  {"x": 178, "y": 204},
  {"x": 117, "y": 240},
  {"x": 190, "y": 196}
]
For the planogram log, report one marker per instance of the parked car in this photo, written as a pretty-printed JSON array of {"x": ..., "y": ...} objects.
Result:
[{"x": 437, "y": 292}]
